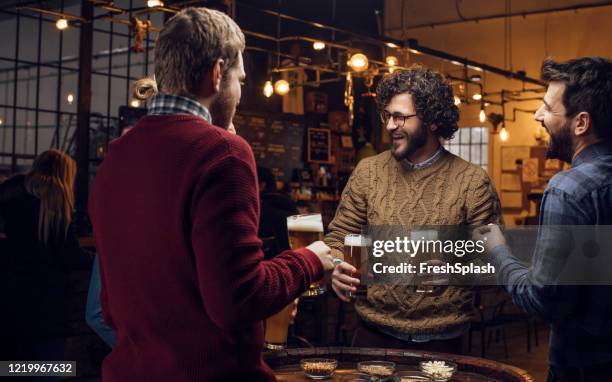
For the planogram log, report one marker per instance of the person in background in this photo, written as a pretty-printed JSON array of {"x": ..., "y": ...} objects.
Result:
[
  {"x": 415, "y": 183},
  {"x": 40, "y": 251},
  {"x": 275, "y": 207},
  {"x": 175, "y": 212},
  {"x": 577, "y": 113},
  {"x": 304, "y": 207},
  {"x": 3, "y": 177},
  {"x": 93, "y": 308}
]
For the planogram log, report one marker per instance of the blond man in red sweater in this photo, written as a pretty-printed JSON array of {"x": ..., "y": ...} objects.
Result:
[{"x": 175, "y": 214}]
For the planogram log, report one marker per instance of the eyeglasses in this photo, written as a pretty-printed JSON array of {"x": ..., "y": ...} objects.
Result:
[{"x": 398, "y": 119}]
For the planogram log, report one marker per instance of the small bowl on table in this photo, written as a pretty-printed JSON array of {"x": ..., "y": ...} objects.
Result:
[
  {"x": 355, "y": 377},
  {"x": 319, "y": 368},
  {"x": 412, "y": 376},
  {"x": 440, "y": 371},
  {"x": 378, "y": 370}
]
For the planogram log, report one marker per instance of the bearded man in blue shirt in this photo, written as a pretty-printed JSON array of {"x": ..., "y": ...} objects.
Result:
[{"x": 577, "y": 113}]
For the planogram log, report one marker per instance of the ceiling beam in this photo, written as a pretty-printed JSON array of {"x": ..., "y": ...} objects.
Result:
[{"x": 463, "y": 20}]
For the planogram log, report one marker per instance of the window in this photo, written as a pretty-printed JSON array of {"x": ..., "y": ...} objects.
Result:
[{"x": 471, "y": 144}]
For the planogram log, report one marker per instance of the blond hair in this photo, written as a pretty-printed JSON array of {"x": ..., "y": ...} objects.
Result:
[
  {"x": 51, "y": 180},
  {"x": 187, "y": 47}
]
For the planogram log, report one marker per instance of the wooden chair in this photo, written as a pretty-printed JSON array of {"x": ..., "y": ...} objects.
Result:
[{"x": 489, "y": 319}]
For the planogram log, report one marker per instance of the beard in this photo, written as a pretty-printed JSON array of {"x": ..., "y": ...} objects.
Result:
[
  {"x": 223, "y": 108},
  {"x": 561, "y": 145},
  {"x": 412, "y": 142}
]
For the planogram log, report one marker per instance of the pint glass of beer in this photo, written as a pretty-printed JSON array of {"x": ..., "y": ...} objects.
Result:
[
  {"x": 355, "y": 253},
  {"x": 421, "y": 280},
  {"x": 277, "y": 328},
  {"x": 304, "y": 230}
]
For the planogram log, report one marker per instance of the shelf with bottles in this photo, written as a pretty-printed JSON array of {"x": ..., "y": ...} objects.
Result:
[{"x": 319, "y": 182}]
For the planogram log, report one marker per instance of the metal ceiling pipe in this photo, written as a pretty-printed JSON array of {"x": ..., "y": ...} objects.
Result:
[
  {"x": 414, "y": 45},
  {"x": 411, "y": 44}
]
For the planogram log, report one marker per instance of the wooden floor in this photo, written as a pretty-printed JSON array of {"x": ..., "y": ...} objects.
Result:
[{"x": 535, "y": 362}]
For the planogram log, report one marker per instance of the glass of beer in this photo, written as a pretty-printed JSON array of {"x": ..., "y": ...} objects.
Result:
[
  {"x": 277, "y": 328},
  {"x": 421, "y": 280},
  {"x": 355, "y": 253},
  {"x": 303, "y": 230}
]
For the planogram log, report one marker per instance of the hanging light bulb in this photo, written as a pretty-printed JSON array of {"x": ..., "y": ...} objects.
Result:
[
  {"x": 391, "y": 60},
  {"x": 1, "y": 121},
  {"x": 359, "y": 62},
  {"x": 155, "y": 3},
  {"x": 477, "y": 97},
  {"x": 135, "y": 103},
  {"x": 281, "y": 87},
  {"x": 70, "y": 98},
  {"x": 503, "y": 134},
  {"x": 61, "y": 24},
  {"x": 457, "y": 101},
  {"x": 318, "y": 45},
  {"x": 268, "y": 89},
  {"x": 482, "y": 116}
]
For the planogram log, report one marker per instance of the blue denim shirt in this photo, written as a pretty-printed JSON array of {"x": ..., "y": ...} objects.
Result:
[{"x": 580, "y": 316}]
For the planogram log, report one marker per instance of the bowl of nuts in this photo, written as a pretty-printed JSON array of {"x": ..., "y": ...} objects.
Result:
[
  {"x": 377, "y": 369},
  {"x": 319, "y": 368},
  {"x": 440, "y": 371}
]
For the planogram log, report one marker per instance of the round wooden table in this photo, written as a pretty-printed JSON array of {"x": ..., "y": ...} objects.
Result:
[{"x": 286, "y": 363}]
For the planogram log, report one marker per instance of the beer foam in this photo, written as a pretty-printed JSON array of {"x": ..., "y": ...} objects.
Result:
[
  {"x": 357, "y": 241},
  {"x": 305, "y": 223}
]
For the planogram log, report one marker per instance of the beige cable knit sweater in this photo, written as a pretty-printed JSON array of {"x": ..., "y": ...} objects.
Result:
[{"x": 382, "y": 191}]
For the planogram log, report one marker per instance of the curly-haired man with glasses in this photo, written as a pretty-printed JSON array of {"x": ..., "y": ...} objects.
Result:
[{"x": 415, "y": 183}]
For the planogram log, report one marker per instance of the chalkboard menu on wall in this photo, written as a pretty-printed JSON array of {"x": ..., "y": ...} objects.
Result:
[
  {"x": 319, "y": 145},
  {"x": 276, "y": 140}
]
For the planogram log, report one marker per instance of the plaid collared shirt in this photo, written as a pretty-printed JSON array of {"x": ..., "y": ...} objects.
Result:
[
  {"x": 580, "y": 315},
  {"x": 166, "y": 104}
]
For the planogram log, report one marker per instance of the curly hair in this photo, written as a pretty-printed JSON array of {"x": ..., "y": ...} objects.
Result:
[{"x": 431, "y": 93}]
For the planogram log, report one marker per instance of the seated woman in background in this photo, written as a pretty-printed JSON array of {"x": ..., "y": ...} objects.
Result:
[
  {"x": 275, "y": 207},
  {"x": 38, "y": 253}
]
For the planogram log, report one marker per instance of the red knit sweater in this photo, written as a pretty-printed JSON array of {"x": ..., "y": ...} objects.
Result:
[{"x": 175, "y": 213}]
